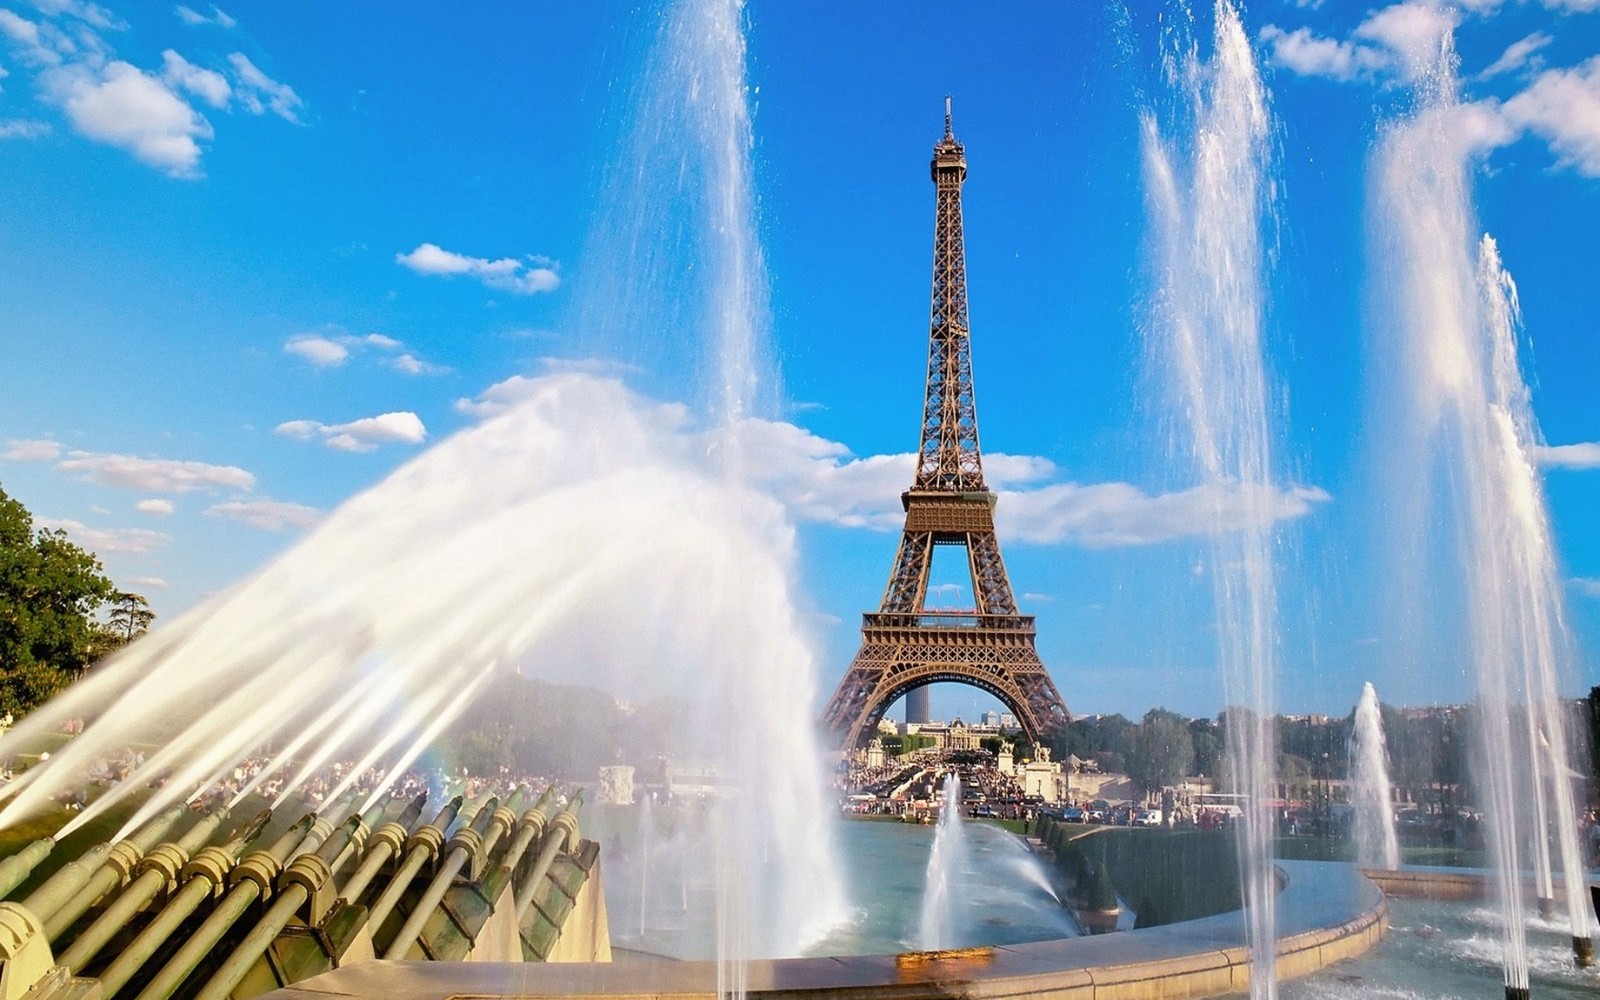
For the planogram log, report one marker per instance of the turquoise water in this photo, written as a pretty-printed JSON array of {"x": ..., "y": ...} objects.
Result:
[{"x": 1445, "y": 951}]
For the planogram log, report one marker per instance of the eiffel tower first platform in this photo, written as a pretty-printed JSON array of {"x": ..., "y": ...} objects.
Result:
[{"x": 904, "y": 645}]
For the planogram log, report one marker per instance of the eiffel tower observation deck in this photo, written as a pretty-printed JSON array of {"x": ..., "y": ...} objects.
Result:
[{"x": 906, "y": 646}]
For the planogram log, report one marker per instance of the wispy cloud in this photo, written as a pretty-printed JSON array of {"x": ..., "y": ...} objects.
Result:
[
  {"x": 332, "y": 350},
  {"x": 1588, "y": 586},
  {"x": 136, "y": 541},
  {"x": 23, "y": 128},
  {"x": 190, "y": 16},
  {"x": 365, "y": 434},
  {"x": 31, "y": 450},
  {"x": 1583, "y": 455},
  {"x": 1518, "y": 54},
  {"x": 154, "y": 475},
  {"x": 266, "y": 515},
  {"x": 259, "y": 93},
  {"x": 155, "y": 507},
  {"x": 147, "y": 582},
  {"x": 527, "y": 276}
]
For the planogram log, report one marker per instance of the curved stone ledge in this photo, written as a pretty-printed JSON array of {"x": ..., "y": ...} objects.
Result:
[{"x": 1326, "y": 912}]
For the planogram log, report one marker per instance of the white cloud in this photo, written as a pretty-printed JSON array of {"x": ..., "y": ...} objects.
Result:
[
  {"x": 333, "y": 350},
  {"x": 154, "y": 475},
  {"x": 23, "y": 128},
  {"x": 121, "y": 105},
  {"x": 190, "y": 16},
  {"x": 360, "y": 435},
  {"x": 266, "y": 515},
  {"x": 38, "y": 44},
  {"x": 1412, "y": 32},
  {"x": 1562, "y": 106},
  {"x": 1588, "y": 586},
  {"x": 319, "y": 351},
  {"x": 147, "y": 582},
  {"x": 89, "y": 13},
  {"x": 1584, "y": 455},
  {"x": 260, "y": 93},
  {"x": 155, "y": 507},
  {"x": 206, "y": 84},
  {"x": 36, "y": 450},
  {"x": 1313, "y": 55},
  {"x": 136, "y": 541},
  {"x": 1110, "y": 515},
  {"x": 410, "y": 364},
  {"x": 498, "y": 397},
  {"x": 1516, "y": 55},
  {"x": 528, "y": 276}
]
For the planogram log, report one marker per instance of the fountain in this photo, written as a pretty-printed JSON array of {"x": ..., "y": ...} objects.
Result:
[
  {"x": 558, "y": 534},
  {"x": 945, "y": 863},
  {"x": 1460, "y": 435},
  {"x": 1370, "y": 793},
  {"x": 1209, "y": 193}
]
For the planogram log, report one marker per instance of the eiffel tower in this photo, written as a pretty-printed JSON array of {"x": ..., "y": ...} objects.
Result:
[{"x": 904, "y": 645}]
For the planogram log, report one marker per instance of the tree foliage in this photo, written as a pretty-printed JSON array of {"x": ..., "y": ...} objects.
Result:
[
  {"x": 1159, "y": 750},
  {"x": 49, "y": 592}
]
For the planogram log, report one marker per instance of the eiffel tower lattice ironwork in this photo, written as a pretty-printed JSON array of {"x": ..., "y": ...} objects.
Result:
[{"x": 905, "y": 645}]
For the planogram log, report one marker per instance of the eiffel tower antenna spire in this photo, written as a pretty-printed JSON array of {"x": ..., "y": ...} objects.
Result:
[{"x": 904, "y": 645}]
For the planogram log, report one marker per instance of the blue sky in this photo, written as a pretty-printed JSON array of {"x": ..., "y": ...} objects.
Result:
[{"x": 252, "y": 259}]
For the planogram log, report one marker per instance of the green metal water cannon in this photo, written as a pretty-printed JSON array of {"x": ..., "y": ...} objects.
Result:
[
  {"x": 562, "y": 835},
  {"x": 117, "y": 867},
  {"x": 530, "y": 827},
  {"x": 421, "y": 847},
  {"x": 15, "y": 870},
  {"x": 306, "y": 883},
  {"x": 467, "y": 842},
  {"x": 250, "y": 880},
  {"x": 385, "y": 842},
  {"x": 156, "y": 873},
  {"x": 203, "y": 877}
]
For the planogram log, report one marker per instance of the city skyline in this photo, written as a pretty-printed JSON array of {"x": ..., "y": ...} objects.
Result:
[{"x": 252, "y": 260}]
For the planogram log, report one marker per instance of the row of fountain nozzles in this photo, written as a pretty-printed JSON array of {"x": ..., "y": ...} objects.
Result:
[{"x": 301, "y": 872}]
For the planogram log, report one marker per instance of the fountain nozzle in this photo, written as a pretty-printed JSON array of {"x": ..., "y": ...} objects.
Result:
[
  {"x": 1517, "y": 993},
  {"x": 1547, "y": 907},
  {"x": 1582, "y": 952}
]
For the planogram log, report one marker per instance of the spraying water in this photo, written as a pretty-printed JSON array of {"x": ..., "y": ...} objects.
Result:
[
  {"x": 558, "y": 537},
  {"x": 1460, "y": 437},
  {"x": 1376, "y": 844},
  {"x": 1209, "y": 193},
  {"x": 937, "y": 928}
]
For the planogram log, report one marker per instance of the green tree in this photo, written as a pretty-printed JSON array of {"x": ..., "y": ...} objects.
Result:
[
  {"x": 130, "y": 616},
  {"x": 1159, "y": 750},
  {"x": 49, "y": 592}
]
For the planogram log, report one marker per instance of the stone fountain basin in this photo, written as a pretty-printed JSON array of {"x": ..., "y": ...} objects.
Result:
[{"x": 1327, "y": 911}]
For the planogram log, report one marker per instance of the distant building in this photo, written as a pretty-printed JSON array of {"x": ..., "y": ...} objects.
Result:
[
  {"x": 991, "y": 719},
  {"x": 616, "y": 785},
  {"x": 1008, "y": 721}
]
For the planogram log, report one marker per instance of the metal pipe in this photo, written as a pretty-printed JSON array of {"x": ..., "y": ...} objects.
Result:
[
  {"x": 308, "y": 877},
  {"x": 205, "y": 875},
  {"x": 384, "y": 844},
  {"x": 158, "y": 871},
  {"x": 421, "y": 846},
  {"x": 251, "y": 879},
  {"x": 467, "y": 842},
  {"x": 114, "y": 871},
  {"x": 15, "y": 870},
  {"x": 563, "y": 833},
  {"x": 371, "y": 818},
  {"x": 66, "y": 882}
]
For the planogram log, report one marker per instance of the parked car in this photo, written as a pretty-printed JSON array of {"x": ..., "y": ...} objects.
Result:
[
  {"x": 1074, "y": 815},
  {"x": 1148, "y": 817}
]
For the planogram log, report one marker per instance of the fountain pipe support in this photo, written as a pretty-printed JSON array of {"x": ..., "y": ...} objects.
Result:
[
  {"x": 384, "y": 844},
  {"x": 421, "y": 847},
  {"x": 308, "y": 881},
  {"x": 203, "y": 877},
  {"x": 562, "y": 835},
  {"x": 116, "y": 868},
  {"x": 466, "y": 843},
  {"x": 157, "y": 873}
]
